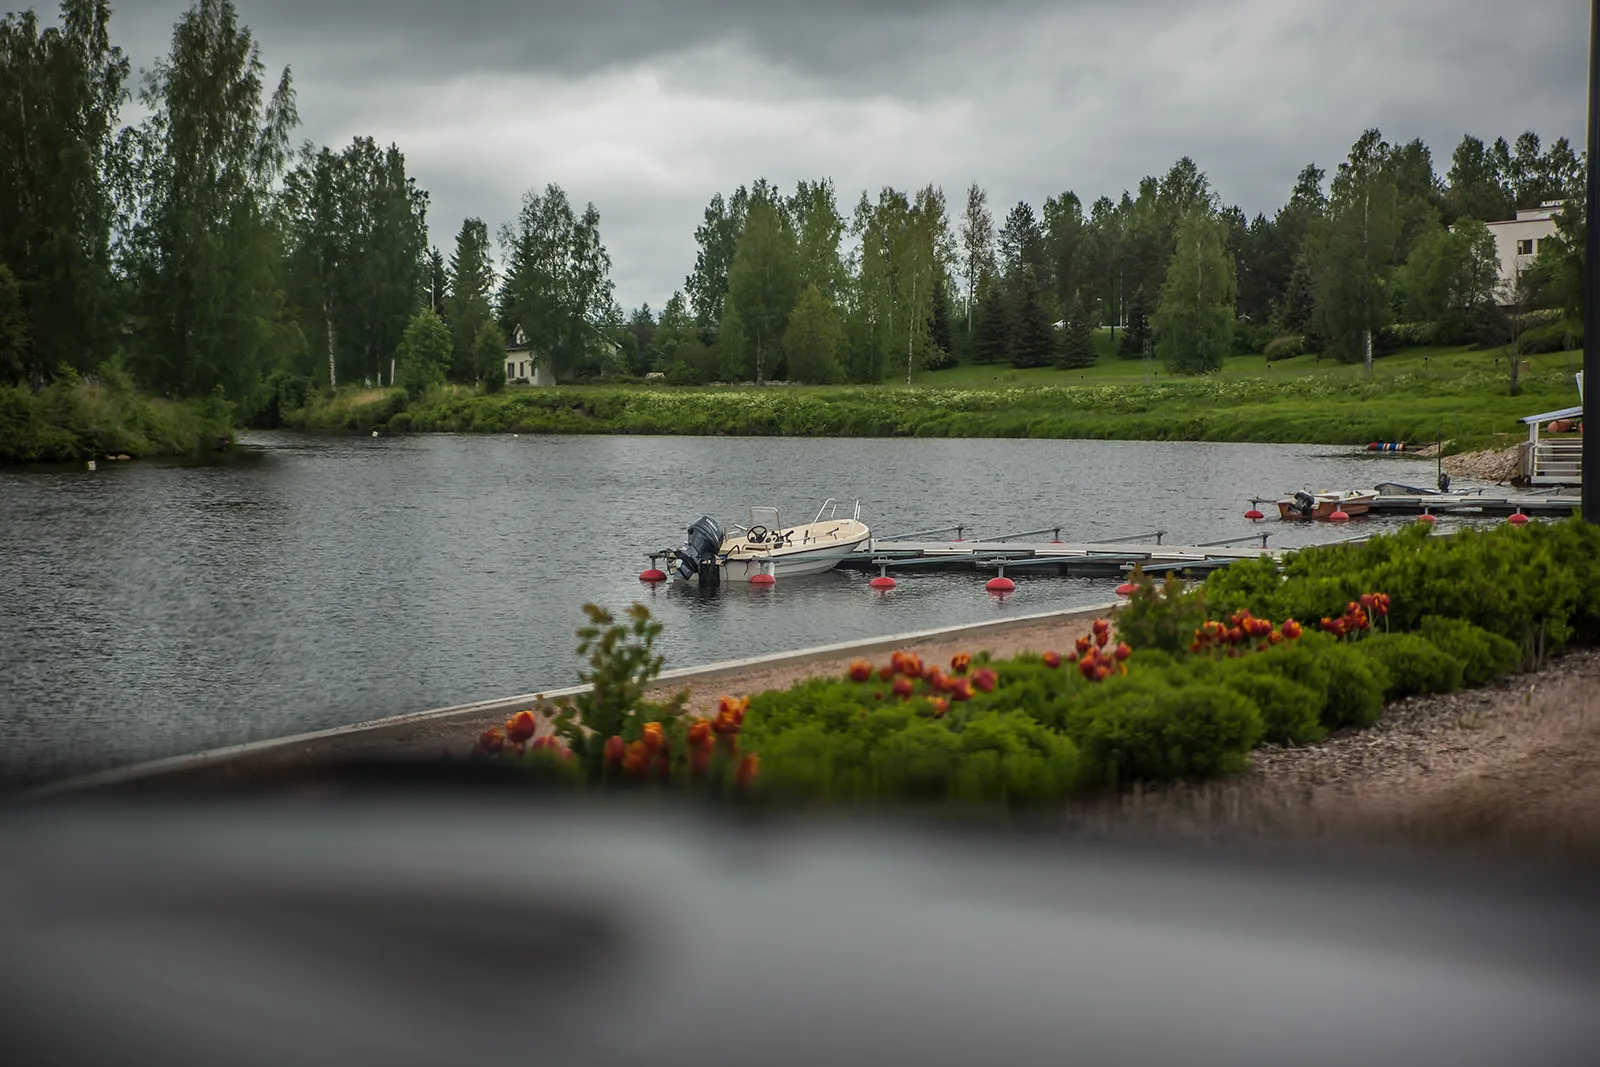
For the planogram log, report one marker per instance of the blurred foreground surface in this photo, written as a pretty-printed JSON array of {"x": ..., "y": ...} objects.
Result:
[{"x": 470, "y": 928}]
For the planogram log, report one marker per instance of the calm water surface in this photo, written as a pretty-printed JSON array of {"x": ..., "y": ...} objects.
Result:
[{"x": 155, "y": 608}]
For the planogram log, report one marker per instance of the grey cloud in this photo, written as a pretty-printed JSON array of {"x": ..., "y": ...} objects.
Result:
[{"x": 649, "y": 108}]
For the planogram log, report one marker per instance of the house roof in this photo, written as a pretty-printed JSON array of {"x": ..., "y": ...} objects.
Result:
[{"x": 1552, "y": 416}]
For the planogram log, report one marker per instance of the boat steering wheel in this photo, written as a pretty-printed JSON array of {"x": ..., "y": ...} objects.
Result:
[{"x": 756, "y": 534}]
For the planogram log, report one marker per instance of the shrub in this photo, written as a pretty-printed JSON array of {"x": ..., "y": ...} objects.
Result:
[
  {"x": 1162, "y": 618},
  {"x": 1553, "y": 337},
  {"x": 1142, "y": 727},
  {"x": 494, "y": 379},
  {"x": 1484, "y": 656},
  {"x": 1290, "y": 712},
  {"x": 1415, "y": 665},
  {"x": 1286, "y": 347},
  {"x": 1350, "y": 687}
]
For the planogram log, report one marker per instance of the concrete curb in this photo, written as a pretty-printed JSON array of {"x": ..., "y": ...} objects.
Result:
[{"x": 508, "y": 705}]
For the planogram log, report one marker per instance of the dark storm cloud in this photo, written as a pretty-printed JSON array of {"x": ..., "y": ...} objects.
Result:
[{"x": 648, "y": 108}]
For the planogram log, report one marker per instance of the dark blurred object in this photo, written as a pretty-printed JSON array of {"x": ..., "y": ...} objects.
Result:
[{"x": 471, "y": 928}]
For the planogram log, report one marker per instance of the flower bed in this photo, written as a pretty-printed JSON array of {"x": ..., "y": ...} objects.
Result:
[{"x": 1201, "y": 675}]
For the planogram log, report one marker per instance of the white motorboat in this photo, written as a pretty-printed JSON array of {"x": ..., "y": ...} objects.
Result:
[{"x": 766, "y": 546}]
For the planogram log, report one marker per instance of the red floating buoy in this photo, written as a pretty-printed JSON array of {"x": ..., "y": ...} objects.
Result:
[
  {"x": 1519, "y": 519},
  {"x": 1001, "y": 585},
  {"x": 1126, "y": 589},
  {"x": 1254, "y": 515},
  {"x": 883, "y": 581},
  {"x": 1058, "y": 541},
  {"x": 1425, "y": 517},
  {"x": 653, "y": 575},
  {"x": 763, "y": 578},
  {"x": 1339, "y": 516}
]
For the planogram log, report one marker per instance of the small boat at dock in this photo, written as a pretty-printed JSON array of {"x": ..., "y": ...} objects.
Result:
[
  {"x": 766, "y": 547},
  {"x": 1324, "y": 505}
]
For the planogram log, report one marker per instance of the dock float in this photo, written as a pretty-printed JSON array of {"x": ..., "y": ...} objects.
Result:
[{"x": 1080, "y": 558}]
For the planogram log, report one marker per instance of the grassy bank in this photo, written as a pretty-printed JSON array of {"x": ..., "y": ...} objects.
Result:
[
  {"x": 73, "y": 420},
  {"x": 1414, "y": 396}
]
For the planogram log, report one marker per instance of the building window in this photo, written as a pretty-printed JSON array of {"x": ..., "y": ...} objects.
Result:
[{"x": 1525, "y": 247}]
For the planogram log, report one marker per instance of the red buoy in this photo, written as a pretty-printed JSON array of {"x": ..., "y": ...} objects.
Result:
[
  {"x": 1126, "y": 589},
  {"x": 653, "y": 575},
  {"x": 1001, "y": 585},
  {"x": 763, "y": 578},
  {"x": 1339, "y": 516},
  {"x": 1519, "y": 519},
  {"x": 1254, "y": 515},
  {"x": 1425, "y": 517},
  {"x": 883, "y": 581}
]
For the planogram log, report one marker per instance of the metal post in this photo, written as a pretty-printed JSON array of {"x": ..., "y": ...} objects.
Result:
[{"x": 1591, "y": 282}]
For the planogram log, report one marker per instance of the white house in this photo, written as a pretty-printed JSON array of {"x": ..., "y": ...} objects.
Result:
[
  {"x": 1518, "y": 242},
  {"x": 523, "y": 364}
]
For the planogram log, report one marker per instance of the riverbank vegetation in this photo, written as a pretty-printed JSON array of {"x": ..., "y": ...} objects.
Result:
[
  {"x": 83, "y": 419},
  {"x": 1184, "y": 684},
  {"x": 202, "y": 251},
  {"x": 1417, "y": 396}
]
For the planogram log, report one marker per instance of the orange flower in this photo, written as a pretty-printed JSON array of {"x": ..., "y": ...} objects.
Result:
[
  {"x": 860, "y": 670},
  {"x": 885, "y": 673},
  {"x": 1102, "y": 638},
  {"x": 654, "y": 739},
  {"x": 960, "y": 662},
  {"x": 962, "y": 690},
  {"x": 615, "y": 749},
  {"x": 984, "y": 680},
  {"x": 521, "y": 726},
  {"x": 699, "y": 760},
  {"x": 700, "y": 733},
  {"x": 1083, "y": 644},
  {"x": 749, "y": 767},
  {"x": 636, "y": 759},
  {"x": 1122, "y": 651},
  {"x": 902, "y": 688},
  {"x": 1100, "y": 627},
  {"x": 940, "y": 706}
]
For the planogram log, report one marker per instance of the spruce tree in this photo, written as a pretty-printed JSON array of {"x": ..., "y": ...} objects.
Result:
[
  {"x": 1137, "y": 332},
  {"x": 989, "y": 344},
  {"x": 1032, "y": 336},
  {"x": 1077, "y": 343}
]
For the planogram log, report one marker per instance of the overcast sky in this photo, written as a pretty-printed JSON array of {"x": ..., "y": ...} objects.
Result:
[{"x": 648, "y": 107}]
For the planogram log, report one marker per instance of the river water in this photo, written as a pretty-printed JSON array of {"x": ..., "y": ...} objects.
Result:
[{"x": 302, "y": 582}]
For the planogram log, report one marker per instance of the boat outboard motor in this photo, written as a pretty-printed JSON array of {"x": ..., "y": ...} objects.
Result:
[
  {"x": 1305, "y": 503},
  {"x": 701, "y": 548}
]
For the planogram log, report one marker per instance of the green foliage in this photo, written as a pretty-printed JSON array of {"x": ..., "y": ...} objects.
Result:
[
  {"x": 1286, "y": 347},
  {"x": 1290, "y": 711},
  {"x": 74, "y": 419},
  {"x": 466, "y": 308},
  {"x": 992, "y": 330},
  {"x": 1450, "y": 278},
  {"x": 1164, "y": 617},
  {"x": 1358, "y": 248},
  {"x": 762, "y": 285},
  {"x": 1145, "y": 727},
  {"x": 811, "y": 343},
  {"x": 1415, "y": 665},
  {"x": 1193, "y": 323},
  {"x": 558, "y": 278},
  {"x": 14, "y": 346},
  {"x": 424, "y": 353},
  {"x": 1077, "y": 348},
  {"x": 1349, "y": 687},
  {"x": 1484, "y": 656},
  {"x": 1562, "y": 336}
]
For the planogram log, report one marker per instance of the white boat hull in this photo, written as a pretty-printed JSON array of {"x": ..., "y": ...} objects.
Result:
[{"x": 790, "y": 563}]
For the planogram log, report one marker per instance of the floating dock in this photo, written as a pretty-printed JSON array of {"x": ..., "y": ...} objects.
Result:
[
  {"x": 1013, "y": 552},
  {"x": 1552, "y": 504}
]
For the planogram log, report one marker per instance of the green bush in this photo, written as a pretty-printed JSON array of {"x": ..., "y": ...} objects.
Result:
[
  {"x": 1484, "y": 656},
  {"x": 1142, "y": 727},
  {"x": 1414, "y": 664},
  {"x": 1290, "y": 712},
  {"x": 1348, "y": 686},
  {"x": 1286, "y": 347},
  {"x": 1562, "y": 336},
  {"x": 1163, "y": 618}
]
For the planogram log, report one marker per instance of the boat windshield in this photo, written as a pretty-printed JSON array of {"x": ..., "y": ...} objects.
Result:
[{"x": 767, "y": 517}]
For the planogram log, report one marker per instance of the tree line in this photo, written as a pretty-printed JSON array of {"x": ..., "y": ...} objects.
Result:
[{"x": 206, "y": 252}]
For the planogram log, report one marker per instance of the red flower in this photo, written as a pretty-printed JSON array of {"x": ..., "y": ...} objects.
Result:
[
  {"x": 1101, "y": 638},
  {"x": 699, "y": 760},
  {"x": 1086, "y": 667},
  {"x": 984, "y": 680},
  {"x": 938, "y": 680},
  {"x": 615, "y": 749},
  {"x": 1122, "y": 651},
  {"x": 1083, "y": 644},
  {"x": 940, "y": 706},
  {"x": 1291, "y": 629},
  {"x": 1100, "y": 627},
  {"x": 1366, "y": 601},
  {"x": 961, "y": 691},
  {"x": 960, "y": 662},
  {"x": 860, "y": 670},
  {"x": 1072, "y": 657},
  {"x": 902, "y": 688},
  {"x": 636, "y": 759},
  {"x": 1102, "y": 672},
  {"x": 1052, "y": 660},
  {"x": 749, "y": 767},
  {"x": 885, "y": 673},
  {"x": 521, "y": 726},
  {"x": 700, "y": 734}
]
